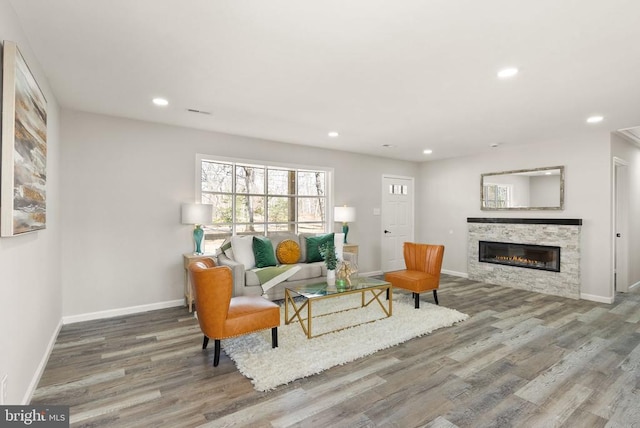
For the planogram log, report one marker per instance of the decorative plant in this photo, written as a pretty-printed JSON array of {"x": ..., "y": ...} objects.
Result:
[{"x": 328, "y": 253}]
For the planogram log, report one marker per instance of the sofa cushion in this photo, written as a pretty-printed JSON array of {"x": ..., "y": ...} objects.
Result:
[
  {"x": 278, "y": 237},
  {"x": 263, "y": 252},
  {"x": 313, "y": 244},
  {"x": 288, "y": 252},
  {"x": 243, "y": 250},
  {"x": 303, "y": 246},
  {"x": 307, "y": 271}
]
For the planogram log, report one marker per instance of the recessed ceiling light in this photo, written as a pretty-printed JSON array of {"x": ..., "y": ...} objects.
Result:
[
  {"x": 160, "y": 102},
  {"x": 388, "y": 146},
  {"x": 333, "y": 134},
  {"x": 427, "y": 151},
  {"x": 595, "y": 119},
  {"x": 506, "y": 73},
  {"x": 494, "y": 145}
]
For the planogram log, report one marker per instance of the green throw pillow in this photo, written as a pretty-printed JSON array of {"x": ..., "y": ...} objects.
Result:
[
  {"x": 263, "y": 252},
  {"x": 313, "y": 246}
]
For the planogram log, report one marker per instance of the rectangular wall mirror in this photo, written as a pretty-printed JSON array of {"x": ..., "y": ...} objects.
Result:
[{"x": 524, "y": 189}]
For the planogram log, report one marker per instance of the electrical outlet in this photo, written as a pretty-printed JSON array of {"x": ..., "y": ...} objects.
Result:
[{"x": 3, "y": 389}]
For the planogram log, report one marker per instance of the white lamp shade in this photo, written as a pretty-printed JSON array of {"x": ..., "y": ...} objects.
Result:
[
  {"x": 197, "y": 213},
  {"x": 344, "y": 214}
]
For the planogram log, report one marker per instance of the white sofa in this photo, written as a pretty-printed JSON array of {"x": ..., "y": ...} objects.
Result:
[{"x": 245, "y": 280}]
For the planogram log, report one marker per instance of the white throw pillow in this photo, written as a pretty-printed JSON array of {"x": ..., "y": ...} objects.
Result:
[
  {"x": 338, "y": 242},
  {"x": 242, "y": 247}
]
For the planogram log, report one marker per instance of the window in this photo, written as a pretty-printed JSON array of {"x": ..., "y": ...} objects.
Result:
[
  {"x": 496, "y": 196},
  {"x": 253, "y": 198},
  {"x": 398, "y": 189}
]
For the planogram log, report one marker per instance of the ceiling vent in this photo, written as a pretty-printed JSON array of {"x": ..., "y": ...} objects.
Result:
[
  {"x": 632, "y": 134},
  {"x": 193, "y": 110}
]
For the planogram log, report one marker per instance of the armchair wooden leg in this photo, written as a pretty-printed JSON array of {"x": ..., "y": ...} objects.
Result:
[
  {"x": 205, "y": 342},
  {"x": 435, "y": 297},
  {"x": 416, "y": 297},
  {"x": 274, "y": 337},
  {"x": 216, "y": 353}
]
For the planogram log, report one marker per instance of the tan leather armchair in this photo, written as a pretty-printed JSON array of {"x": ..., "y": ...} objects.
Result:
[
  {"x": 222, "y": 316},
  {"x": 424, "y": 262}
]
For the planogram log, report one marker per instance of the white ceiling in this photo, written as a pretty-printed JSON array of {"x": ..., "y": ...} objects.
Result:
[{"x": 415, "y": 74}]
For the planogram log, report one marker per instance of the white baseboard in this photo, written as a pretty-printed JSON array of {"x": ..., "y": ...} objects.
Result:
[
  {"x": 40, "y": 370},
  {"x": 454, "y": 273},
  {"x": 372, "y": 273},
  {"x": 122, "y": 311},
  {"x": 599, "y": 299},
  {"x": 632, "y": 286}
]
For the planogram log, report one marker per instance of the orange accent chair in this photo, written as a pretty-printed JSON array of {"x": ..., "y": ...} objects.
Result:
[
  {"x": 423, "y": 262},
  {"x": 222, "y": 316}
]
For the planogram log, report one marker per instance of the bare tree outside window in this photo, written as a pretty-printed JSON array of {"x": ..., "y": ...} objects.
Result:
[{"x": 250, "y": 180}]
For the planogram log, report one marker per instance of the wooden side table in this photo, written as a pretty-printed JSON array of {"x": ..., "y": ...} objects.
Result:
[{"x": 188, "y": 288}]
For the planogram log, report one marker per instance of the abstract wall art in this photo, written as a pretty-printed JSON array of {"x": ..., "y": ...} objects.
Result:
[{"x": 24, "y": 147}]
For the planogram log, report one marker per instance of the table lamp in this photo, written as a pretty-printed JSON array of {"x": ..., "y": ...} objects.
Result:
[
  {"x": 345, "y": 214},
  {"x": 197, "y": 214}
]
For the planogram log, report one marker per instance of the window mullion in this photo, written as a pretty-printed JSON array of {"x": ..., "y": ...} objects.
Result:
[{"x": 234, "y": 228}]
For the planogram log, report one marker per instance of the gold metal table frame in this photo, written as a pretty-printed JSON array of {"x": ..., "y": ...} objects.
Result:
[{"x": 369, "y": 288}]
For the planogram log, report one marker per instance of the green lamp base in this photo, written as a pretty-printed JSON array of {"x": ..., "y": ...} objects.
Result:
[{"x": 198, "y": 234}]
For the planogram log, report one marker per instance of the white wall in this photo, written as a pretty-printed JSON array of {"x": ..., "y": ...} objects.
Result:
[
  {"x": 123, "y": 182},
  {"x": 30, "y": 287},
  {"x": 630, "y": 153},
  {"x": 449, "y": 194}
]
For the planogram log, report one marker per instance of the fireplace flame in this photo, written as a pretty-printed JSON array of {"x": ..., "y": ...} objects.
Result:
[{"x": 518, "y": 259}]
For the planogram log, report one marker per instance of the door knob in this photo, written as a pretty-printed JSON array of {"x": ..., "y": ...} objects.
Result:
[
  {"x": 618, "y": 235},
  {"x": 386, "y": 231}
]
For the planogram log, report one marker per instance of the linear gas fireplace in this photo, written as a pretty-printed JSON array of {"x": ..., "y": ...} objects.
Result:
[
  {"x": 561, "y": 275},
  {"x": 540, "y": 257}
]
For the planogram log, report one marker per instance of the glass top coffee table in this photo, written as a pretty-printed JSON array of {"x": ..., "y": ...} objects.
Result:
[{"x": 371, "y": 290}]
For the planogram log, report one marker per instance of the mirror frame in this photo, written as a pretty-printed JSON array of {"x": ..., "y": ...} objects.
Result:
[{"x": 561, "y": 207}]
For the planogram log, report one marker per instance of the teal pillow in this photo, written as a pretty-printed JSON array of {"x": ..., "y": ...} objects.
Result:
[
  {"x": 263, "y": 252},
  {"x": 313, "y": 246}
]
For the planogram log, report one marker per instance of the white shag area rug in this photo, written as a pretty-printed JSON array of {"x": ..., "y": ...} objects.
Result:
[{"x": 297, "y": 357}]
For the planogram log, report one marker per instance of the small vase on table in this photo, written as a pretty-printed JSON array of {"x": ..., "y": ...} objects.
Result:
[{"x": 331, "y": 277}]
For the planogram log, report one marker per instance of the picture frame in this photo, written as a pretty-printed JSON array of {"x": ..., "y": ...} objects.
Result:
[{"x": 24, "y": 147}]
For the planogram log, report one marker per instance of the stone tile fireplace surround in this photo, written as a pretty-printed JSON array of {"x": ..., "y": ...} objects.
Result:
[{"x": 561, "y": 232}]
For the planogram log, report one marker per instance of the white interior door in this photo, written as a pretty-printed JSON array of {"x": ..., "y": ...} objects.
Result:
[
  {"x": 397, "y": 220},
  {"x": 621, "y": 218}
]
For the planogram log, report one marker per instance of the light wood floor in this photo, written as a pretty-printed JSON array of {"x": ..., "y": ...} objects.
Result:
[{"x": 522, "y": 359}]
